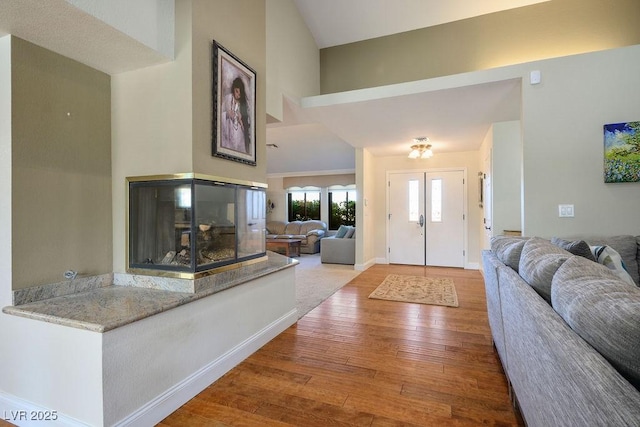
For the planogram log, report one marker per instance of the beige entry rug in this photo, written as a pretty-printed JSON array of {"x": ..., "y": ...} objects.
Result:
[{"x": 417, "y": 289}]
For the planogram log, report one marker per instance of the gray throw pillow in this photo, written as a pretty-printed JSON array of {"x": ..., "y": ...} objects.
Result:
[
  {"x": 577, "y": 247},
  {"x": 342, "y": 230},
  {"x": 603, "y": 310},
  {"x": 539, "y": 262},
  {"x": 349, "y": 233},
  {"x": 508, "y": 250}
]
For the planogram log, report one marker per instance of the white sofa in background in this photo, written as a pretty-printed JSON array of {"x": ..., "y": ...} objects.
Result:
[{"x": 308, "y": 232}]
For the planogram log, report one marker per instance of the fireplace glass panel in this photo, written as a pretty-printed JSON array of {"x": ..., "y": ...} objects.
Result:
[
  {"x": 215, "y": 223},
  {"x": 194, "y": 225},
  {"x": 252, "y": 210},
  {"x": 160, "y": 213}
]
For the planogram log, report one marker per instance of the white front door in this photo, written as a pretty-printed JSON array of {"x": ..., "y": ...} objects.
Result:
[
  {"x": 406, "y": 207},
  {"x": 444, "y": 224},
  {"x": 426, "y": 218}
]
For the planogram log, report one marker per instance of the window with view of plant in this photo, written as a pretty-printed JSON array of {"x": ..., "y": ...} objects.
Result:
[
  {"x": 304, "y": 205},
  {"x": 342, "y": 208}
]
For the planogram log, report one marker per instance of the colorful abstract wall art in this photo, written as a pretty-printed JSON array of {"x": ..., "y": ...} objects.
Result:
[{"x": 622, "y": 152}]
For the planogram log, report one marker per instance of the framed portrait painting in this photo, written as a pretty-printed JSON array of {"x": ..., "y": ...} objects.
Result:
[{"x": 234, "y": 107}]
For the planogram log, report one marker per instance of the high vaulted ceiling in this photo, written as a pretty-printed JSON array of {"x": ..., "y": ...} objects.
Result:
[
  {"x": 322, "y": 133},
  {"x": 336, "y": 22}
]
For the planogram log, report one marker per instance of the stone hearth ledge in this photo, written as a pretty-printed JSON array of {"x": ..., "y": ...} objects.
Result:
[{"x": 100, "y": 307}]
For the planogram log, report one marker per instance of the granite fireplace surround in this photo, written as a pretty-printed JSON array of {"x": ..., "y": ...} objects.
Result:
[{"x": 105, "y": 302}]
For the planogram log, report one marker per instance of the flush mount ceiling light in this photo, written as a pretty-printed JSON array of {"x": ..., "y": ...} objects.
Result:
[{"x": 421, "y": 149}]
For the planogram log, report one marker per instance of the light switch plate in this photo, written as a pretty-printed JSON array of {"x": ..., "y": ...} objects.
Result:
[
  {"x": 535, "y": 77},
  {"x": 565, "y": 211}
]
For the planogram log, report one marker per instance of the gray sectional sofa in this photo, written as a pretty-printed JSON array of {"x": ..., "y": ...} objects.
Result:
[{"x": 566, "y": 329}]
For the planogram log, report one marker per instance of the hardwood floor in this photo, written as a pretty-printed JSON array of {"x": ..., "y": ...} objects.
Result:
[{"x": 354, "y": 361}]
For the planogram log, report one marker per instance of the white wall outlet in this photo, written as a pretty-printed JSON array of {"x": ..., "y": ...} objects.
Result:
[{"x": 565, "y": 211}]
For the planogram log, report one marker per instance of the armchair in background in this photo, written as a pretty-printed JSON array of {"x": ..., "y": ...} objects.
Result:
[{"x": 339, "y": 248}]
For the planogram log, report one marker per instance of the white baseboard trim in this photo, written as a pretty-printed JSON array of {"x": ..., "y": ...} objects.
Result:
[
  {"x": 165, "y": 404},
  {"x": 19, "y": 412},
  {"x": 363, "y": 267},
  {"x": 472, "y": 266}
]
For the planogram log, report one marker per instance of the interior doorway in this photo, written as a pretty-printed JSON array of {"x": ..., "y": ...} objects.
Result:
[{"x": 426, "y": 218}]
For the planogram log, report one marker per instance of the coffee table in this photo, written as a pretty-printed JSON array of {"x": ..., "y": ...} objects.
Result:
[{"x": 291, "y": 246}]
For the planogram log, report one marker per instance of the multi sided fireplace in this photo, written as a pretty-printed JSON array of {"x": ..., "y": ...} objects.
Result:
[{"x": 190, "y": 225}]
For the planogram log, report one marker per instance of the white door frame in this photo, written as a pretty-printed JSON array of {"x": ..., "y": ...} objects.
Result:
[{"x": 465, "y": 207}]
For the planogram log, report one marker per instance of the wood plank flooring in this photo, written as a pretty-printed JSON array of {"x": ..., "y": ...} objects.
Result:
[{"x": 354, "y": 361}]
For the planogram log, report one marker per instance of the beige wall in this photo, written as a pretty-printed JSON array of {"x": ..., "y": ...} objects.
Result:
[
  {"x": 366, "y": 221},
  {"x": 239, "y": 26},
  {"x": 162, "y": 115},
  {"x": 293, "y": 59},
  {"x": 61, "y": 167},
  {"x": 5, "y": 170},
  {"x": 506, "y": 177},
  {"x": 319, "y": 180},
  {"x": 545, "y": 30},
  {"x": 563, "y": 143},
  {"x": 278, "y": 195},
  {"x": 151, "y": 113}
]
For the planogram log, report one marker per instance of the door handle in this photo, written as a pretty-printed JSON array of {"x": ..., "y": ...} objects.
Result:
[{"x": 421, "y": 221}]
